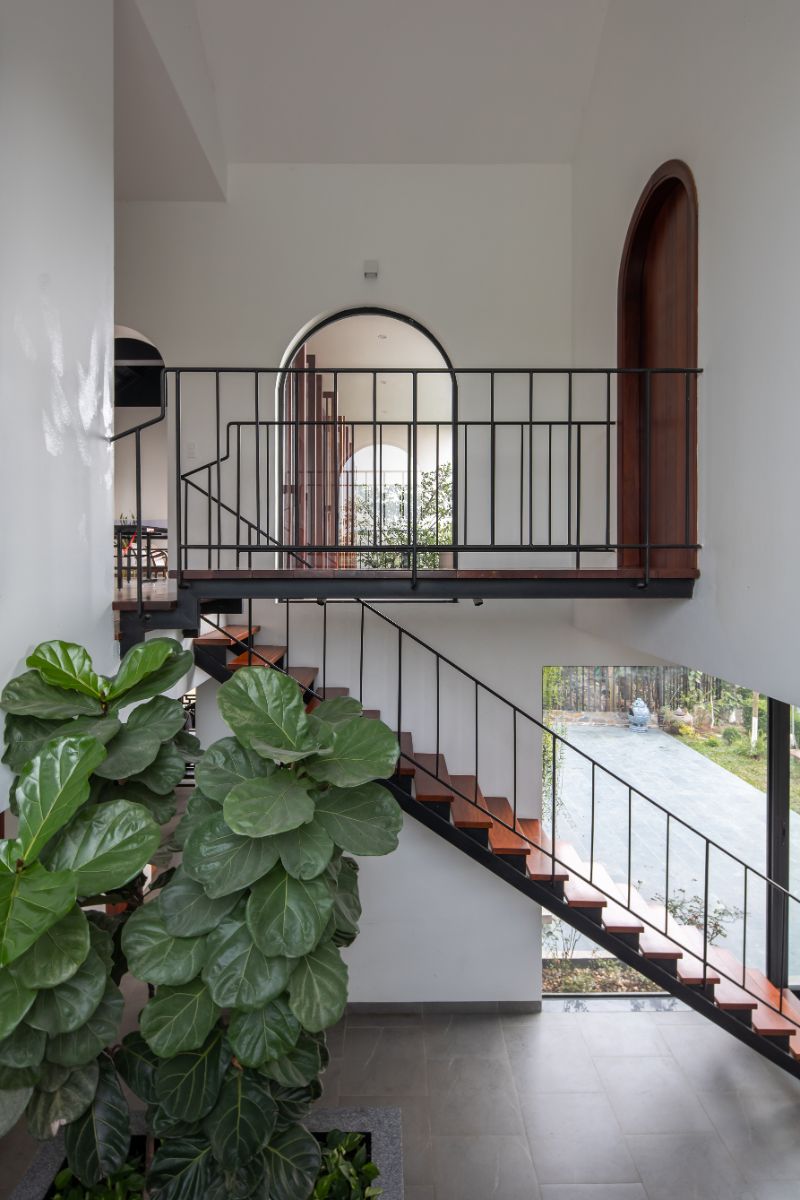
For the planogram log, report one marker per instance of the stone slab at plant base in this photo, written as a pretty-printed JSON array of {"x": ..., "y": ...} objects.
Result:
[{"x": 384, "y": 1125}]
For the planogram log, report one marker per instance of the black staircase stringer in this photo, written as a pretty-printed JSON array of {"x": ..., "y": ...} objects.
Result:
[{"x": 545, "y": 896}]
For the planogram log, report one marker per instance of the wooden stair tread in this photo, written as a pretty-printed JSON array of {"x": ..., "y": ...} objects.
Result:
[
  {"x": 305, "y": 676},
  {"x": 617, "y": 917},
  {"x": 372, "y": 714},
  {"x": 229, "y": 635},
  {"x": 273, "y": 655},
  {"x": 502, "y": 838},
  {"x": 404, "y": 767},
  {"x": 729, "y": 996},
  {"x": 577, "y": 892},
  {"x": 541, "y": 865},
  {"x": 431, "y": 780},
  {"x": 469, "y": 809}
]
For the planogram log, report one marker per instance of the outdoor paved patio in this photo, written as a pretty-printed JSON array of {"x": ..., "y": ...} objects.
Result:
[{"x": 602, "y": 1104}]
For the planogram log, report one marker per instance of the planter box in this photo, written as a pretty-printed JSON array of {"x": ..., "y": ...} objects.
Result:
[{"x": 384, "y": 1125}]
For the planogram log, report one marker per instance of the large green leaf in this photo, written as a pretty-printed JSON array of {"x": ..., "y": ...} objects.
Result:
[
  {"x": 181, "y": 1169},
  {"x": 187, "y": 1085},
  {"x": 346, "y": 902},
  {"x": 178, "y": 1018},
  {"x": 165, "y": 771},
  {"x": 14, "y": 1078},
  {"x": 294, "y": 1104},
  {"x": 288, "y": 916},
  {"x": 227, "y": 763},
  {"x": 173, "y": 668},
  {"x": 52, "y": 787},
  {"x": 66, "y": 1007},
  {"x": 267, "y": 705},
  {"x": 52, "y": 1077},
  {"x": 137, "y": 1064},
  {"x": 161, "y": 808},
  {"x": 362, "y": 751},
  {"x": 198, "y": 809},
  {"x": 25, "y": 736},
  {"x": 261, "y": 807},
  {"x": 31, "y": 901},
  {"x": 298, "y": 1066},
  {"x": 240, "y": 1183},
  {"x": 66, "y": 665},
  {"x": 12, "y": 1106},
  {"x": 338, "y": 710},
  {"x": 57, "y": 954},
  {"x": 129, "y": 752},
  {"x": 318, "y": 988},
  {"x": 15, "y": 1000},
  {"x": 66, "y": 1103},
  {"x": 140, "y": 664},
  {"x": 187, "y": 910},
  {"x": 269, "y": 1032},
  {"x": 294, "y": 1158},
  {"x": 242, "y": 1120},
  {"x": 223, "y": 861},
  {"x": 24, "y": 1047},
  {"x": 305, "y": 852},
  {"x": 237, "y": 973},
  {"x": 106, "y": 846},
  {"x": 162, "y": 716},
  {"x": 97, "y": 1143},
  {"x": 100, "y": 1030},
  {"x": 153, "y": 953},
  {"x": 362, "y": 820},
  {"x": 29, "y": 696}
]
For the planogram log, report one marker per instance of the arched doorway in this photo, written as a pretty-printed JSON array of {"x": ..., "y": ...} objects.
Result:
[
  {"x": 657, "y": 413},
  {"x": 363, "y": 390}
]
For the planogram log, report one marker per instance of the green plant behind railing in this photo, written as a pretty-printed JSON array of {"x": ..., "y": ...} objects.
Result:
[
  {"x": 243, "y": 943},
  {"x": 387, "y": 508},
  {"x": 90, "y": 794}
]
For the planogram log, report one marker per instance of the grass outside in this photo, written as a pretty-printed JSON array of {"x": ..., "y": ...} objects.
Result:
[
  {"x": 592, "y": 975},
  {"x": 752, "y": 770}
]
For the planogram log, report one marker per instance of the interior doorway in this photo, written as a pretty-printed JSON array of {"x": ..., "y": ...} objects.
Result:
[
  {"x": 657, "y": 414},
  {"x": 368, "y": 405}
]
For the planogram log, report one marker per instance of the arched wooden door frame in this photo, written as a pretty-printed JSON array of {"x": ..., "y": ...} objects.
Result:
[{"x": 657, "y": 493}]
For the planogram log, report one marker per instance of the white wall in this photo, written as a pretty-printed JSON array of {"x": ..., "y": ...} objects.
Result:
[
  {"x": 56, "y": 354},
  {"x": 714, "y": 82}
]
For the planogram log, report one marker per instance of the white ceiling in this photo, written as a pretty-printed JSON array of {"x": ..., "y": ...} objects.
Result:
[{"x": 401, "y": 81}]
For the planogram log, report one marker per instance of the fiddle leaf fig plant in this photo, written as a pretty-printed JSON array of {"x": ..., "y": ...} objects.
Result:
[
  {"x": 90, "y": 792},
  {"x": 242, "y": 945}
]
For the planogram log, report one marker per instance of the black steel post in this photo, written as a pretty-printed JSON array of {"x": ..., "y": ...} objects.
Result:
[{"x": 778, "y": 762}]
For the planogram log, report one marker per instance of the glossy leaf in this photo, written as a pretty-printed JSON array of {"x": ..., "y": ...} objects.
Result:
[
  {"x": 31, "y": 901},
  {"x": 129, "y": 752},
  {"x": 140, "y": 665},
  {"x": 294, "y": 1104},
  {"x": 14, "y": 1078},
  {"x": 52, "y": 1077},
  {"x": 97, "y": 1143},
  {"x": 362, "y": 820},
  {"x": 237, "y": 973},
  {"x": 269, "y": 1032},
  {"x": 362, "y": 751},
  {"x": 305, "y": 852},
  {"x": 161, "y": 716},
  {"x": 153, "y": 953},
  {"x": 106, "y": 846},
  {"x": 161, "y": 808},
  {"x": 178, "y": 1018},
  {"x": 261, "y": 807},
  {"x": 100, "y": 1030},
  {"x": 15, "y": 1001},
  {"x": 227, "y": 763},
  {"x": 288, "y": 916},
  {"x": 29, "y": 696},
  {"x": 346, "y": 902},
  {"x": 66, "y": 665},
  {"x": 68, "y": 1006},
  {"x": 165, "y": 771},
  {"x": 66, "y": 1103},
  {"x": 267, "y": 705},
  {"x": 57, "y": 954},
  {"x": 294, "y": 1158},
  {"x": 12, "y": 1106},
  {"x": 223, "y": 861},
  {"x": 177, "y": 664},
  {"x": 318, "y": 988},
  {"x": 52, "y": 787},
  {"x": 186, "y": 909},
  {"x": 241, "y": 1121},
  {"x": 188, "y": 745},
  {"x": 24, "y": 737},
  {"x": 137, "y": 1064},
  {"x": 297, "y": 1067},
  {"x": 181, "y": 1169},
  {"x": 338, "y": 710},
  {"x": 24, "y": 1047},
  {"x": 198, "y": 809},
  {"x": 187, "y": 1086}
]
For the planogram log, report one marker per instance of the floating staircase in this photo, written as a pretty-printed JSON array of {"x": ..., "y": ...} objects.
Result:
[{"x": 641, "y": 933}]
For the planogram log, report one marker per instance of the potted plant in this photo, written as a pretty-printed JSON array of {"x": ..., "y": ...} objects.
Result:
[{"x": 240, "y": 945}]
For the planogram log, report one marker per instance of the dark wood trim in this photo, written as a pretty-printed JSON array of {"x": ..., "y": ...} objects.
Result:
[{"x": 668, "y": 453}]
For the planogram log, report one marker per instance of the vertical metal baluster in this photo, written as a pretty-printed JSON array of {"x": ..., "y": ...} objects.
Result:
[
  {"x": 219, "y": 467},
  {"x": 437, "y": 487},
  {"x": 455, "y": 449},
  {"x": 647, "y": 461},
  {"x": 553, "y": 794},
  {"x": 180, "y": 515},
  {"x": 744, "y": 929},
  {"x": 375, "y": 458},
  {"x": 466, "y": 476},
  {"x": 414, "y": 563},
  {"x": 438, "y": 739},
  {"x": 578, "y": 503},
  {"x": 514, "y": 759},
  {"x": 139, "y": 581},
  {"x": 287, "y": 659},
  {"x": 530, "y": 458},
  {"x": 477, "y": 735},
  {"x": 361, "y": 658},
  {"x": 608, "y": 458},
  {"x": 784, "y": 938},
  {"x": 258, "y": 463},
  {"x": 249, "y": 630},
  {"x": 521, "y": 483},
  {"x": 337, "y": 464},
  {"x": 238, "y": 491},
  {"x": 591, "y": 829},
  {"x": 705, "y": 912},
  {"x": 666, "y": 876},
  {"x": 630, "y": 840},
  {"x": 270, "y": 436},
  {"x": 569, "y": 457},
  {"x": 380, "y": 473},
  {"x": 492, "y": 436},
  {"x": 399, "y": 681},
  {"x": 324, "y": 644},
  {"x": 688, "y": 465},
  {"x": 208, "y": 506},
  {"x": 550, "y": 483}
]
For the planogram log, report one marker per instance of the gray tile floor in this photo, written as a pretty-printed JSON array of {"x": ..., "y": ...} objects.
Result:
[{"x": 597, "y": 1105}]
